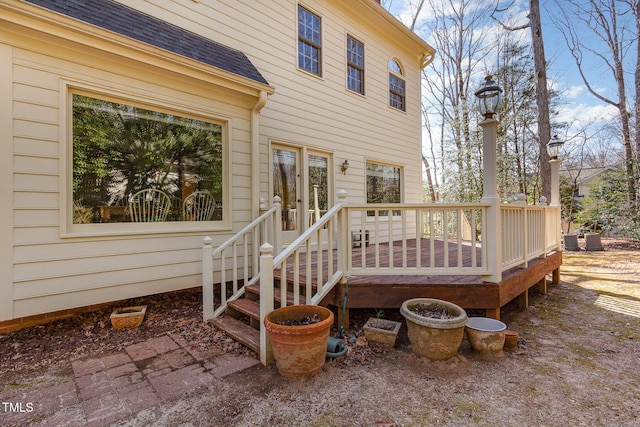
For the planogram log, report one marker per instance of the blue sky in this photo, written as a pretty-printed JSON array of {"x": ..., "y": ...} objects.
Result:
[{"x": 581, "y": 108}]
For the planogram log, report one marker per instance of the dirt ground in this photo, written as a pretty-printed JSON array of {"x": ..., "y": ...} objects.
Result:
[{"x": 576, "y": 364}]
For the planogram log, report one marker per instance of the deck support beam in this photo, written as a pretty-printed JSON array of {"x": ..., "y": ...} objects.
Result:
[
  {"x": 493, "y": 313},
  {"x": 542, "y": 286}
]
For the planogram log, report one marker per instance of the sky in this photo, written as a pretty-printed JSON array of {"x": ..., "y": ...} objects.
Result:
[{"x": 580, "y": 107}]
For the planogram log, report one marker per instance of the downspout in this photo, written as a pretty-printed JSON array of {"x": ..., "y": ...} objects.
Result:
[{"x": 255, "y": 153}]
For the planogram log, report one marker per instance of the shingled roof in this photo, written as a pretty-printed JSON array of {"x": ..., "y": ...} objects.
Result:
[{"x": 132, "y": 23}]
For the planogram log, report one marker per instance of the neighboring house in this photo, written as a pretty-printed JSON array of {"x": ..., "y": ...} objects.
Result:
[
  {"x": 214, "y": 103},
  {"x": 584, "y": 178}
]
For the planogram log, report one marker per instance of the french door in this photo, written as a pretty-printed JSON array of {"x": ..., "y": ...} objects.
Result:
[{"x": 301, "y": 179}]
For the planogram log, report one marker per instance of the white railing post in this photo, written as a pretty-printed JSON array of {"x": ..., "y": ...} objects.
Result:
[
  {"x": 276, "y": 236},
  {"x": 342, "y": 229},
  {"x": 492, "y": 236},
  {"x": 266, "y": 299},
  {"x": 207, "y": 279},
  {"x": 555, "y": 200}
]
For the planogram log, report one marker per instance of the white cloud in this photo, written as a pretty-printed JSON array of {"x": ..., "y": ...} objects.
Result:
[
  {"x": 585, "y": 114},
  {"x": 575, "y": 91}
]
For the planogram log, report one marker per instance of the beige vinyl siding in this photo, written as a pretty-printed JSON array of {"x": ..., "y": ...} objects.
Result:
[
  {"x": 6, "y": 184},
  {"x": 50, "y": 272},
  {"x": 318, "y": 112},
  {"x": 47, "y": 270}
]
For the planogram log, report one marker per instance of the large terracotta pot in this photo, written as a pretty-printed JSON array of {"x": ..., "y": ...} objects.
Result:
[
  {"x": 299, "y": 351},
  {"x": 431, "y": 337}
]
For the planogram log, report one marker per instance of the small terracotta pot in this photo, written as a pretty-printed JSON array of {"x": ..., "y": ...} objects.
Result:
[
  {"x": 299, "y": 351},
  {"x": 128, "y": 317},
  {"x": 510, "y": 339}
]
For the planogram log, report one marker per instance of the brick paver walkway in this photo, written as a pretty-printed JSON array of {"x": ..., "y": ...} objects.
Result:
[{"x": 114, "y": 387}]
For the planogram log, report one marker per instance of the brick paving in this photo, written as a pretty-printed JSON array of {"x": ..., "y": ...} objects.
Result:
[{"x": 114, "y": 387}]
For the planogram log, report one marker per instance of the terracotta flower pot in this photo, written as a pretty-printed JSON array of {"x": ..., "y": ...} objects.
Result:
[
  {"x": 299, "y": 351},
  {"x": 510, "y": 339},
  {"x": 128, "y": 317},
  {"x": 432, "y": 337}
]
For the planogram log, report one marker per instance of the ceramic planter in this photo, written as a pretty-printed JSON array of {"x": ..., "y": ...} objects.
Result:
[
  {"x": 299, "y": 351},
  {"x": 433, "y": 337},
  {"x": 381, "y": 331},
  {"x": 128, "y": 317},
  {"x": 485, "y": 335}
]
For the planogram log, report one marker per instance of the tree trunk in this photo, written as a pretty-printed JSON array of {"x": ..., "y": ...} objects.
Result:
[{"x": 542, "y": 97}]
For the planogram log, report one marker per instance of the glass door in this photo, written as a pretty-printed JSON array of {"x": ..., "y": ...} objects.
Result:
[
  {"x": 318, "y": 177},
  {"x": 286, "y": 185}
]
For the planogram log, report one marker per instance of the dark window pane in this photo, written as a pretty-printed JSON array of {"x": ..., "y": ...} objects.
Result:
[{"x": 120, "y": 149}]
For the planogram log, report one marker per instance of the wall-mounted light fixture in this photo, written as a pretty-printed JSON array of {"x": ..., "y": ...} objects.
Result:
[{"x": 345, "y": 166}]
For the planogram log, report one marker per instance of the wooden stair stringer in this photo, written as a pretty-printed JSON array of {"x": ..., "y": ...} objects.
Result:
[
  {"x": 241, "y": 320},
  {"x": 239, "y": 331}
]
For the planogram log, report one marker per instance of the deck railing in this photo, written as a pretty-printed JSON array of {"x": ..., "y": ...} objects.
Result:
[
  {"x": 527, "y": 232},
  {"x": 234, "y": 262},
  {"x": 373, "y": 239},
  {"x": 394, "y": 235}
]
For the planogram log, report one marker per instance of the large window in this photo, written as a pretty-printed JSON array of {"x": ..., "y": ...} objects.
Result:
[
  {"x": 309, "y": 41},
  {"x": 355, "y": 65},
  {"x": 396, "y": 86},
  {"x": 137, "y": 164},
  {"x": 383, "y": 186}
]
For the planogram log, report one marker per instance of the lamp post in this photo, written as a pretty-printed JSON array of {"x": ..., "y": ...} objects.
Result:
[
  {"x": 488, "y": 100},
  {"x": 554, "y": 148}
]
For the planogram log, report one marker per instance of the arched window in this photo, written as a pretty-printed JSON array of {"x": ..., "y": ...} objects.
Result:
[{"x": 396, "y": 86}]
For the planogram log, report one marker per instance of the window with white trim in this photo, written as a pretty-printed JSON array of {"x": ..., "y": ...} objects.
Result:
[
  {"x": 309, "y": 41},
  {"x": 397, "y": 95},
  {"x": 355, "y": 65},
  {"x": 383, "y": 186},
  {"x": 133, "y": 163}
]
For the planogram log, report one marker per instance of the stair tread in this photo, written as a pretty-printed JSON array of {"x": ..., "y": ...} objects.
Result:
[
  {"x": 246, "y": 306},
  {"x": 241, "y": 332},
  {"x": 255, "y": 289}
]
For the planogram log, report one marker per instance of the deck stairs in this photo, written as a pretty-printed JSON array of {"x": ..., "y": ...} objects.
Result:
[{"x": 241, "y": 320}]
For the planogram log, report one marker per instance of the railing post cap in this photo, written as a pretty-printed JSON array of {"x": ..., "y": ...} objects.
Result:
[
  {"x": 207, "y": 241},
  {"x": 277, "y": 199},
  {"x": 266, "y": 248},
  {"x": 520, "y": 198},
  {"x": 342, "y": 195},
  {"x": 543, "y": 201}
]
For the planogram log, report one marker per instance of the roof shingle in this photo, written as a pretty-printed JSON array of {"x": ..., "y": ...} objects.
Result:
[{"x": 132, "y": 23}]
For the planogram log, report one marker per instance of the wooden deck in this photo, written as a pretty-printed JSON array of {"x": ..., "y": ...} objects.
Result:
[{"x": 469, "y": 292}]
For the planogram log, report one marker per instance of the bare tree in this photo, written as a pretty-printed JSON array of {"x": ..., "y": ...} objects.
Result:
[
  {"x": 455, "y": 28},
  {"x": 605, "y": 21},
  {"x": 542, "y": 96}
]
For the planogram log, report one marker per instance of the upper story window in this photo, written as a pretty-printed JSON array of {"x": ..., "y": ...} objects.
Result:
[
  {"x": 397, "y": 97},
  {"x": 309, "y": 41},
  {"x": 355, "y": 65},
  {"x": 133, "y": 164}
]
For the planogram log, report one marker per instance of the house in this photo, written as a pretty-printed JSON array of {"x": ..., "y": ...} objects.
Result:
[
  {"x": 583, "y": 178},
  {"x": 214, "y": 103}
]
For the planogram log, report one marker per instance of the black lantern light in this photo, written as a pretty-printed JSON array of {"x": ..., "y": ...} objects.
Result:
[
  {"x": 554, "y": 147},
  {"x": 488, "y": 97}
]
